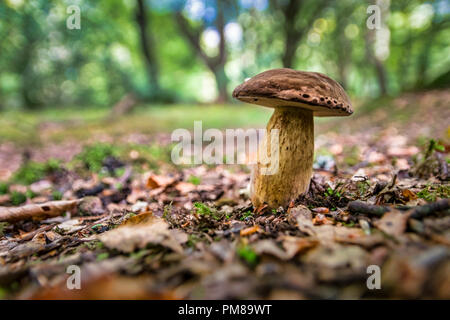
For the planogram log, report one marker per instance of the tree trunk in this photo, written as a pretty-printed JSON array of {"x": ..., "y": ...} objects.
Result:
[
  {"x": 221, "y": 82},
  {"x": 380, "y": 70},
  {"x": 215, "y": 64},
  {"x": 148, "y": 46}
]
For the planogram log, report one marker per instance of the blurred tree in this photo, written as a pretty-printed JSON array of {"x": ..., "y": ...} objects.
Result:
[
  {"x": 147, "y": 45},
  {"x": 216, "y": 64},
  {"x": 299, "y": 16},
  {"x": 377, "y": 38}
]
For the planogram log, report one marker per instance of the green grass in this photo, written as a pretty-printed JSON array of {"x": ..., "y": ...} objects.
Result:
[
  {"x": 34, "y": 171},
  {"x": 57, "y": 124}
]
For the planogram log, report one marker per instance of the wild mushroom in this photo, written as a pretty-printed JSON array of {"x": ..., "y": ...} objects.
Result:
[{"x": 297, "y": 97}]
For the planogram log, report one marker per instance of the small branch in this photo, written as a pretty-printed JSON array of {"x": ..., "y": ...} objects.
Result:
[
  {"x": 361, "y": 207},
  {"x": 37, "y": 211},
  {"x": 428, "y": 209}
]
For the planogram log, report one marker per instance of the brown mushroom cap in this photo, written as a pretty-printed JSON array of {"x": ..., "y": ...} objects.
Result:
[{"x": 291, "y": 88}]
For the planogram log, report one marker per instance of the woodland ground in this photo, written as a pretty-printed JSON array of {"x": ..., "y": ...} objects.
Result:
[{"x": 145, "y": 228}]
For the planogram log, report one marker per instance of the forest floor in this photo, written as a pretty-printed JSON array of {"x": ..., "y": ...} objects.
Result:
[{"x": 80, "y": 189}]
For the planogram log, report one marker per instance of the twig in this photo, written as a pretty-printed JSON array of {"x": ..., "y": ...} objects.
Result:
[
  {"x": 361, "y": 207},
  {"x": 425, "y": 210},
  {"x": 37, "y": 211}
]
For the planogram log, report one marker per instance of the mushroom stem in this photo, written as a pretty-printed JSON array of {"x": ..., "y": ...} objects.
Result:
[{"x": 295, "y": 154}]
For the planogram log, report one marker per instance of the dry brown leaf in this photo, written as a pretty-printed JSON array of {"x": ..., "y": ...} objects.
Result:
[
  {"x": 132, "y": 236},
  {"x": 185, "y": 187},
  {"x": 249, "y": 231},
  {"x": 321, "y": 210},
  {"x": 408, "y": 194},
  {"x": 296, "y": 245},
  {"x": 156, "y": 181},
  {"x": 268, "y": 246},
  {"x": 393, "y": 222}
]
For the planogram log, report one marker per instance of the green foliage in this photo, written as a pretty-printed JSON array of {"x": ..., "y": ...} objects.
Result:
[
  {"x": 246, "y": 214},
  {"x": 246, "y": 253},
  {"x": 31, "y": 63},
  {"x": 333, "y": 193},
  {"x": 433, "y": 145}
]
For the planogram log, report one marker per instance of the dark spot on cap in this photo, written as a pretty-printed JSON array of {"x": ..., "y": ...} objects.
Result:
[{"x": 305, "y": 95}]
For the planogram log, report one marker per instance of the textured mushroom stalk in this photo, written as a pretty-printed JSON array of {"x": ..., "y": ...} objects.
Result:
[{"x": 296, "y": 152}]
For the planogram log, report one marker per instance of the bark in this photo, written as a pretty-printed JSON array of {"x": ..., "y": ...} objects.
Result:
[
  {"x": 147, "y": 45},
  {"x": 296, "y": 152}
]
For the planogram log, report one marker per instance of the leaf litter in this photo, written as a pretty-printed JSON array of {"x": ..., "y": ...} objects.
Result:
[{"x": 192, "y": 233}]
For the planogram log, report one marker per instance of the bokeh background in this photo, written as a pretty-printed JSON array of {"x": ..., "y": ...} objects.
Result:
[
  {"x": 138, "y": 69},
  {"x": 173, "y": 51}
]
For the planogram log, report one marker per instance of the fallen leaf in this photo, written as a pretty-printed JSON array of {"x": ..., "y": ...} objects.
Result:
[
  {"x": 132, "y": 236},
  {"x": 321, "y": 210},
  {"x": 185, "y": 187},
  {"x": 248, "y": 231},
  {"x": 156, "y": 181},
  {"x": 393, "y": 222},
  {"x": 295, "y": 245},
  {"x": 268, "y": 246}
]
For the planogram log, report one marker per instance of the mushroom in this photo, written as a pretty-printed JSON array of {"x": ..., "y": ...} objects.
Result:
[{"x": 297, "y": 97}]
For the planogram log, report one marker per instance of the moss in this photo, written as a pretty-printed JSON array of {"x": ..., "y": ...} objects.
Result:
[
  {"x": 3, "y": 225},
  {"x": 4, "y": 188},
  {"x": 102, "y": 256},
  {"x": 194, "y": 180},
  {"x": 247, "y": 254},
  {"x": 31, "y": 172},
  {"x": 92, "y": 157},
  {"x": 432, "y": 193},
  {"x": 17, "y": 198},
  {"x": 57, "y": 195}
]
